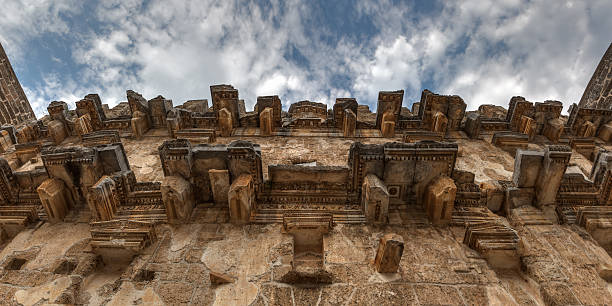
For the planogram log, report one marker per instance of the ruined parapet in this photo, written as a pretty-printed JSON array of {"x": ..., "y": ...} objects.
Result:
[
  {"x": 391, "y": 102},
  {"x": 92, "y": 106},
  {"x": 497, "y": 243},
  {"x": 226, "y": 97},
  {"x": 340, "y": 108},
  {"x": 159, "y": 107},
  {"x": 441, "y": 113},
  {"x": 274, "y": 103}
]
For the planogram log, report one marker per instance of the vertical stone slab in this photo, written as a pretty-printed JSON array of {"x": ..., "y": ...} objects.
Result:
[
  {"x": 527, "y": 126},
  {"x": 387, "y": 126},
  {"x": 140, "y": 124},
  {"x": 220, "y": 185},
  {"x": 225, "y": 122},
  {"x": 349, "y": 125},
  {"x": 472, "y": 124},
  {"x": 103, "y": 199},
  {"x": 553, "y": 129},
  {"x": 241, "y": 197},
  {"x": 82, "y": 125},
  {"x": 266, "y": 122},
  {"x": 440, "y": 122},
  {"x": 375, "y": 199},
  {"x": 440, "y": 200},
  {"x": 556, "y": 159},
  {"x": 389, "y": 254},
  {"x": 178, "y": 198},
  {"x": 55, "y": 199},
  {"x": 57, "y": 131}
]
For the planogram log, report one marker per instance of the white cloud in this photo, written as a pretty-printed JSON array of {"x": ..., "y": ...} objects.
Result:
[{"x": 484, "y": 51}]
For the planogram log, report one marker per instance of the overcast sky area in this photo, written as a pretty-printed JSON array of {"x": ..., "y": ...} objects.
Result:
[{"x": 484, "y": 51}]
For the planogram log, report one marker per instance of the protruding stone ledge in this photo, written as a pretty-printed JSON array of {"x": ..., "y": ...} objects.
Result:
[{"x": 497, "y": 243}]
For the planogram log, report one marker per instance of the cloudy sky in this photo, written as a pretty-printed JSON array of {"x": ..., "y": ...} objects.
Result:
[{"x": 486, "y": 51}]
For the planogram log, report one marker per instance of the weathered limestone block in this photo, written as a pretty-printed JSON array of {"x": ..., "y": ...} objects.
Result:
[
  {"x": 495, "y": 242},
  {"x": 556, "y": 159},
  {"x": 553, "y": 129},
  {"x": 528, "y": 126},
  {"x": 472, "y": 125},
  {"x": 5, "y": 141},
  {"x": 349, "y": 124},
  {"x": 527, "y": 165},
  {"x": 266, "y": 123},
  {"x": 55, "y": 199},
  {"x": 387, "y": 126},
  {"x": 389, "y": 254},
  {"x": 584, "y": 146},
  {"x": 495, "y": 195},
  {"x": 140, "y": 124},
  {"x": 375, "y": 199},
  {"x": 82, "y": 125},
  {"x": 119, "y": 240},
  {"x": 220, "y": 185},
  {"x": 440, "y": 122},
  {"x": 241, "y": 198},
  {"x": 597, "y": 220},
  {"x": 605, "y": 132},
  {"x": 587, "y": 129},
  {"x": 57, "y": 131},
  {"x": 510, "y": 141},
  {"x": 178, "y": 197},
  {"x": 103, "y": 199},
  {"x": 440, "y": 200},
  {"x": 225, "y": 122},
  {"x": 420, "y": 135}
]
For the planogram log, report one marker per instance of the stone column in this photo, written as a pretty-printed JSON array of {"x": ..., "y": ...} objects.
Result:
[
  {"x": 225, "y": 122},
  {"x": 241, "y": 199},
  {"x": 375, "y": 199},
  {"x": 389, "y": 254},
  {"x": 349, "y": 124},
  {"x": 56, "y": 201},
  {"x": 266, "y": 123},
  {"x": 220, "y": 185},
  {"x": 440, "y": 200},
  {"x": 178, "y": 198}
]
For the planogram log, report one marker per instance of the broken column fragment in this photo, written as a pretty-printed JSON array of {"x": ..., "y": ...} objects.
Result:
[
  {"x": 375, "y": 199},
  {"x": 389, "y": 254},
  {"x": 556, "y": 159},
  {"x": 387, "y": 127},
  {"x": 225, "y": 122},
  {"x": 497, "y": 243},
  {"x": 178, "y": 198},
  {"x": 220, "y": 185},
  {"x": 55, "y": 199},
  {"x": 241, "y": 198},
  {"x": 349, "y": 124},
  {"x": 266, "y": 124},
  {"x": 439, "y": 200},
  {"x": 103, "y": 199}
]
